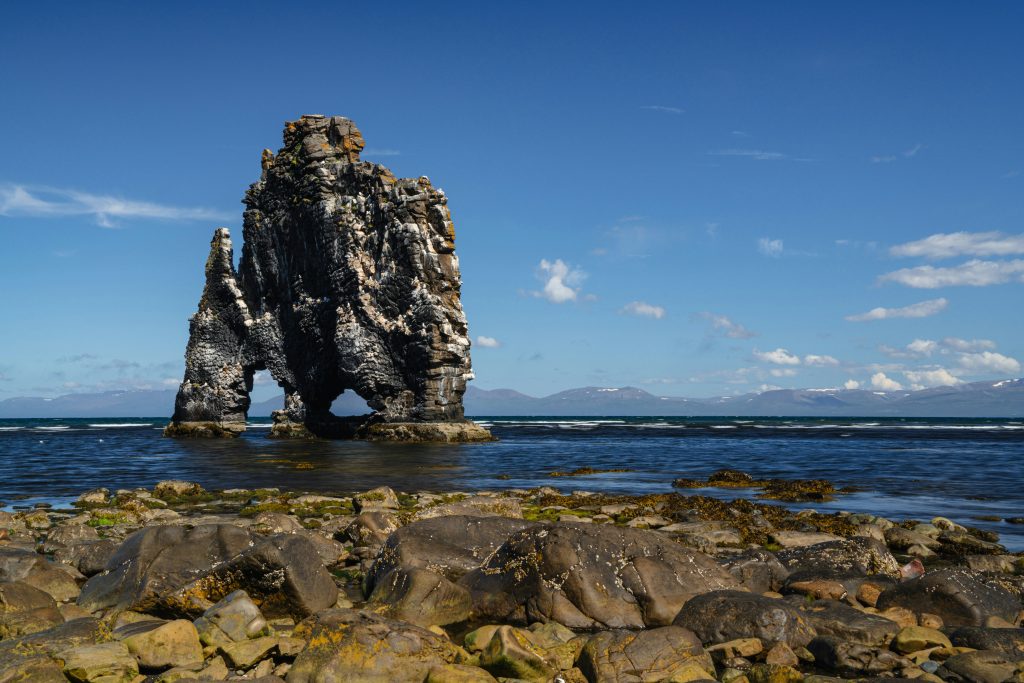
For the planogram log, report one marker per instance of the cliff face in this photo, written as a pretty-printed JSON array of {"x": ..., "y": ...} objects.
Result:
[{"x": 348, "y": 280}]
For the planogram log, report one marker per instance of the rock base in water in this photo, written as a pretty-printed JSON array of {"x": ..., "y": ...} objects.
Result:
[
  {"x": 204, "y": 430},
  {"x": 450, "y": 432}
]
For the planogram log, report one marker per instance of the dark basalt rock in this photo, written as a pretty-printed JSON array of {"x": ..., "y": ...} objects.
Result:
[
  {"x": 724, "y": 615},
  {"x": 588, "y": 576},
  {"x": 953, "y": 594},
  {"x": 173, "y": 571},
  {"x": 348, "y": 281}
]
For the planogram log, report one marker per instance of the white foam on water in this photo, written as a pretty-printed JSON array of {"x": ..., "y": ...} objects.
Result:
[
  {"x": 259, "y": 425},
  {"x": 121, "y": 425},
  {"x": 57, "y": 428},
  {"x": 10, "y": 429}
]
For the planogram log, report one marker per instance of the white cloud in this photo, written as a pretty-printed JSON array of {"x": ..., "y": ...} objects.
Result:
[
  {"x": 372, "y": 152},
  {"x": 923, "y": 347},
  {"x": 948, "y": 245},
  {"x": 919, "y": 348},
  {"x": 561, "y": 282},
  {"x": 886, "y": 159},
  {"x": 49, "y": 202},
  {"x": 889, "y": 158},
  {"x": 912, "y": 152},
  {"x": 778, "y": 357},
  {"x": 757, "y": 154},
  {"x": 820, "y": 361},
  {"x": 487, "y": 342},
  {"x": 666, "y": 110},
  {"x": 922, "y": 309},
  {"x": 770, "y": 247},
  {"x": 934, "y": 377},
  {"x": 968, "y": 345},
  {"x": 263, "y": 377},
  {"x": 851, "y": 384},
  {"x": 882, "y": 383},
  {"x": 987, "y": 362},
  {"x": 782, "y": 372},
  {"x": 973, "y": 273},
  {"x": 724, "y": 325},
  {"x": 644, "y": 309}
]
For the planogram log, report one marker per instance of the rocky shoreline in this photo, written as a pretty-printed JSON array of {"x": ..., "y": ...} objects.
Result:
[{"x": 181, "y": 584}]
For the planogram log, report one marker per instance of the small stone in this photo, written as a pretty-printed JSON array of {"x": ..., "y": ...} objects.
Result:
[
  {"x": 914, "y": 638},
  {"x": 380, "y": 498},
  {"x": 176, "y": 488},
  {"x": 235, "y": 618},
  {"x": 901, "y": 615},
  {"x": 774, "y": 673},
  {"x": 800, "y": 539},
  {"x": 100, "y": 496},
  {"x": 103, "y": 663},
  {"x": 930, "y": 620},
  {"x": 781, "y": 654},
  {"x": 244, "y": 654},
  {"x": 458, "y": 673},
  {"x": 511, "y": 654},
  {"x": 37, "y": 520}
]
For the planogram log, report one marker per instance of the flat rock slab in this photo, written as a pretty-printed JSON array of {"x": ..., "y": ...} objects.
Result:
[
  {"x": 588, "y": 576},
  {"x": 839, "y": 620}
]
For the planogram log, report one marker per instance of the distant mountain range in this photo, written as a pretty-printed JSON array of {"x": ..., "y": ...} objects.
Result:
[{"x": 1004, "y": 398}]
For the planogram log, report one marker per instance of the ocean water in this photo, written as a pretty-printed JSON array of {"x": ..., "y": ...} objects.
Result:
[{"x": 903, "y": 468}]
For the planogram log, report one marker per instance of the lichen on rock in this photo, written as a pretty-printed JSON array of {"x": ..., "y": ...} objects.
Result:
[{"x": 348, "y": 281}]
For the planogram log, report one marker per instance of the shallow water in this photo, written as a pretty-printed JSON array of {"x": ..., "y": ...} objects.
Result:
[{"x": 905, "y": 468}]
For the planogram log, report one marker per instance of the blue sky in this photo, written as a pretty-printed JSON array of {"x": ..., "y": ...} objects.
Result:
[{"x": 694, "y": 198}]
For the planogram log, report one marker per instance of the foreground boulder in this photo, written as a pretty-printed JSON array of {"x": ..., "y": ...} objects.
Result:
[
  {"x": 25, "y": 609},
  {"x": 955, "y": 596},
  {"x": 173, "y": 571},
  {"x": 449, "y": 546},
  {"x": 722, "y": 616},
  {"x": 420, "y": 597},
  {"x": 669, "y": 653},
  {"x": 586, "y": 576},
  {"x": 35, "y": 570},
  {"x": 358, "y": 647}
]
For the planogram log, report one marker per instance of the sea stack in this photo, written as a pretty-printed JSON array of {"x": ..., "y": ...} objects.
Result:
[{"x": 348, "y": 281}]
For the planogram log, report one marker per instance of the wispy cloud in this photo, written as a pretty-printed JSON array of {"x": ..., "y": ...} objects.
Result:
[
  {"x": 487, "y": 342},
  {"x": 561, "y": 281},
  {"x": 664, "y": 109},
  {"x": 724, "y": 325},
  {"x": 948, "y": 245},
  {"x": 973, "y": 273},
  {"x": 770, "y": 247},
  {"x": 758, "y": 154},
  {"x": 643, "y": 309},
  {"x": 905, "y": 154},
  {"x": 51, "y": 202},
  {"x": 922, "y": 309},
  {"x": 374, "y": 152}
]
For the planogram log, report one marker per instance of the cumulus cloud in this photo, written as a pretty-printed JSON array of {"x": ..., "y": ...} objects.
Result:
[
  {"x": 882, "y": 383},
  {"x": 487, "y": 342},
  {"x": 782, "y": 372},
  {"x": 51, "y": 202},
  {"x": 922, "y": 309},
  {"x": 933, "y": 377},
  {"x": 987, "y": 362},
  {"x": 644, "y": 309},
  {"x": 820, "y": 361},
  {"x": 851, "y": 384},
  {"x": 973, "y": 273},
  {"x": 920, "y": 348},
  {"x": 722, "y": 324},
  {"x": 779, "y": 356},
  {"x": 561, "y": 281},
  {"x": 770, "y": 247},
  {"x": 948, "y": 245}
]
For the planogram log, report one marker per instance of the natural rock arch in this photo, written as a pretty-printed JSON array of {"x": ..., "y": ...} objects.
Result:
[{"x": 348, "y": 280}]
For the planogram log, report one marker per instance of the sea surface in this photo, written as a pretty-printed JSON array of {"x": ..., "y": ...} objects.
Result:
[{"x": 903, "y": 468}]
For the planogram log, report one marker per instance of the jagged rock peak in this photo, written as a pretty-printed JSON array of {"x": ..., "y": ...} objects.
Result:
[{"x": 348, "y": 281}]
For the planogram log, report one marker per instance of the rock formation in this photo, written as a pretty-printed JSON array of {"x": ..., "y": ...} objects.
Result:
[{"x": 348, "y": 281}]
